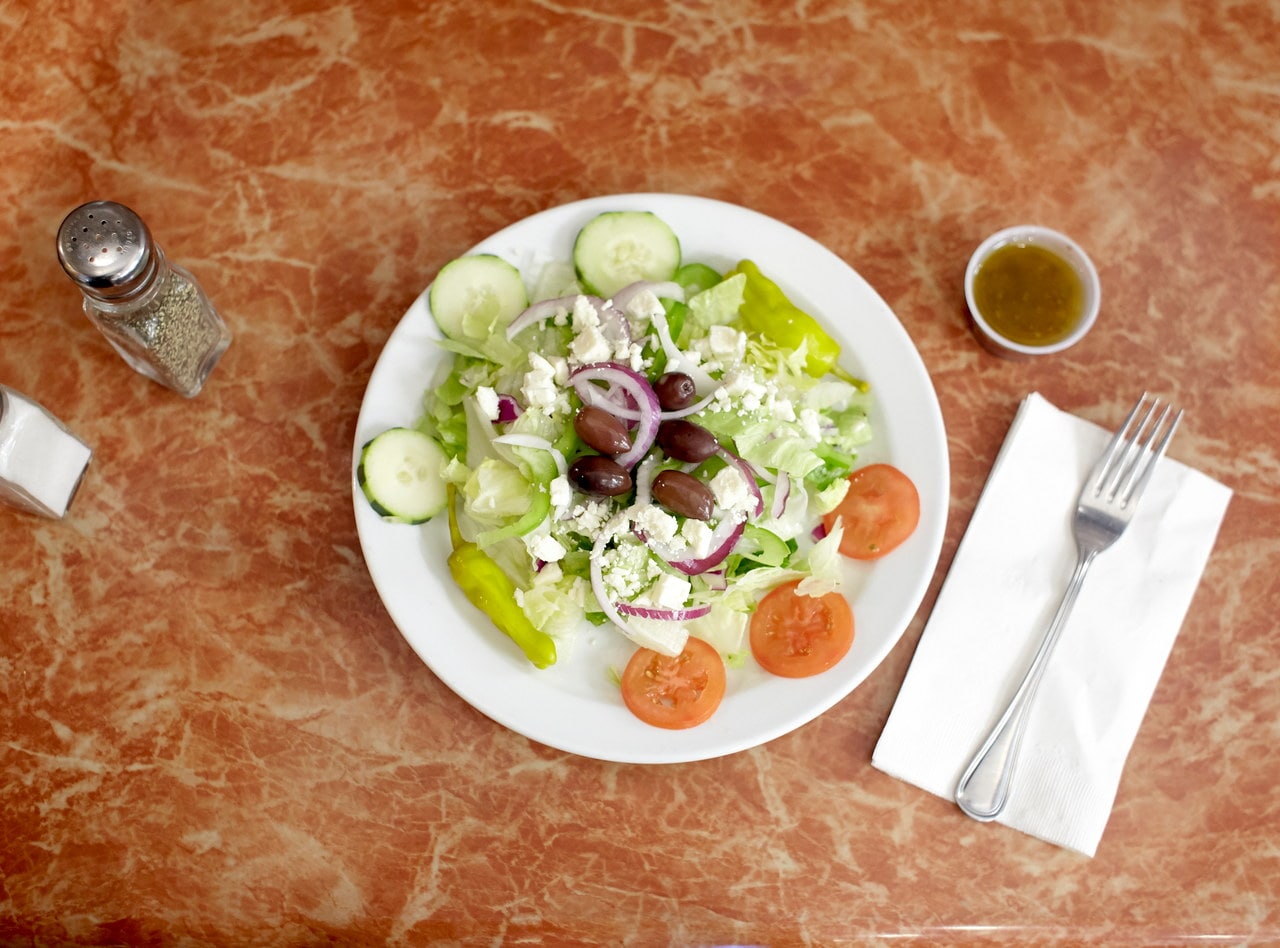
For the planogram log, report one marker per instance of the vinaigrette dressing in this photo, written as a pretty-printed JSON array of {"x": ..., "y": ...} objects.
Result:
[{"x": 1029, "y": 294}]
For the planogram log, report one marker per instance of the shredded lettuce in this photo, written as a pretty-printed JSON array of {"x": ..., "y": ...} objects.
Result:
[{"x": 495, "y": 490}]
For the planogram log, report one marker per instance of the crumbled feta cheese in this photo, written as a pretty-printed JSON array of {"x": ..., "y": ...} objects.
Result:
[
  {"x": 731, "y": 490},
  {"x": 560, "y": 365},
  {"x": 657, "y": 524},
  {"x": 644, "y": 306},
  {"x": 585, "y": 315},
  {"x": 630, "y": 353},
  {"x": 698, "y": 535},
  {"x": 487, "y": 402},
  {"x": 590, "y": 345},
  {"x": 669, "y": 592},
  {"x": 588, "y": 518},
  {"x": 782, "y": 409},
  {"x": 743, "y": 383},
  {"x": 561, "y": 493},
  {"x": 628, "y": 569},
  {"x": 545, "y": 547},
  {"x": 811, "y": 422},
  {"x": 539, "y": 388},
  {"x": 727, "y": 343}
]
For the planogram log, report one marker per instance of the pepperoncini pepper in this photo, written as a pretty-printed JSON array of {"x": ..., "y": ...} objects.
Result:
[
  {"x": 491, "y": 591},
  {"x": 767, "y": 311}
]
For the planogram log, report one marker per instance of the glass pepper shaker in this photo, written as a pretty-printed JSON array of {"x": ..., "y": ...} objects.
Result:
[{"x": 153, "y": 312}]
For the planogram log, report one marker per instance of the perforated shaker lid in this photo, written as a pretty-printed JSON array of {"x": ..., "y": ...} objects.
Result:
[{"x": 107, "y": 250}]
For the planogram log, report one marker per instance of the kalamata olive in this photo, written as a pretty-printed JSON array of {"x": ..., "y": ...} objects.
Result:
[
  {"x": 686, "y": 440},
  {"x": 683, "y": 494},
  {"x": 675, "y": 390},
  {"x": 597, "y": 474},
  {"x": 602, "y": 431}
]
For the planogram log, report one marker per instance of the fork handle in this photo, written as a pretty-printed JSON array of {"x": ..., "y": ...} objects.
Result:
[{"x": 984, "y": 788}]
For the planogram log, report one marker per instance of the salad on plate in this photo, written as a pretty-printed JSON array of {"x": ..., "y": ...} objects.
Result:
[{"x": 632, "y": 440}]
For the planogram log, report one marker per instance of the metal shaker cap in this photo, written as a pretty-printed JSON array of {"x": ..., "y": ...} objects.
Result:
[{"x": 107, "y": 250}]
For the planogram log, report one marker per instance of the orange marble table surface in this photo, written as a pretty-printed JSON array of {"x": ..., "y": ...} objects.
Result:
[{"x": 211, "y": 732}]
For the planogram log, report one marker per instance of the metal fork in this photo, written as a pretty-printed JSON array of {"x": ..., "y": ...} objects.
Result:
[{"x": 1107, "y": 502}]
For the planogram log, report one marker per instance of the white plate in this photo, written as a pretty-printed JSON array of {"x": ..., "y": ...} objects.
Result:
[{"x": 575, "y": 705}]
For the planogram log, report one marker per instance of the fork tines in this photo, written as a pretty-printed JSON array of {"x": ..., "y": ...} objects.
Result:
[{"x": 1125, "y": 467}]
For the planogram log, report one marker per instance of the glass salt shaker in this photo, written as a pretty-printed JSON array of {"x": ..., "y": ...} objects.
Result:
[
  {"x": 41, "y": 461},
  {"x": 153, "y": 312}
]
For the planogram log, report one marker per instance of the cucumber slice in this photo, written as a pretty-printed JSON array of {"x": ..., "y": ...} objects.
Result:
[
  {"x": 401, "y": 472},
  {"x": 476, "y": 296},
  {"x": 619, "y": 247}
]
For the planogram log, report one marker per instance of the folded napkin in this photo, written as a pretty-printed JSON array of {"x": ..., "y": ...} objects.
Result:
[{"x": 1003, "y": 588}]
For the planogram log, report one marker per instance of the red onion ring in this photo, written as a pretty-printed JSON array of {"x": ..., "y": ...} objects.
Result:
[
  {"x": 630, "y": 414},
  {"x": 614, "y": 323},
  {"x": 668, "y": 289},
  {"x": 508, "y": 408},
  {"x": 538, "y": 444},
  {"x": 726, "y": 534},
  {"x": 635, "y": 385},
  {"x": 539, "y": 312},
  {"x": 781, "y": 493},
  {"x": 611, "y": 317},
  {"x": 657, "y": 612},
  {"x": 677, "y": 361},
  {"x": 690, "y": 410}
]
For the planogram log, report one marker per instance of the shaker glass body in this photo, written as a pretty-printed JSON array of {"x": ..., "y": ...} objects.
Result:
[{"x": 171, "y": 333}]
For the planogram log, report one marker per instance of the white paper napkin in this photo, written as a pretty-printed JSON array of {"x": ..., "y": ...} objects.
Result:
[{"x": 1003, "y": 588}]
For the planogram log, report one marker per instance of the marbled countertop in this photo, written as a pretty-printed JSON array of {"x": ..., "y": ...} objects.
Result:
[{"x": 211, "y": 732}]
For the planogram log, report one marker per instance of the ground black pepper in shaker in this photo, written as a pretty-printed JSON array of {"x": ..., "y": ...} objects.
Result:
[{"x": 153, "y": 312}]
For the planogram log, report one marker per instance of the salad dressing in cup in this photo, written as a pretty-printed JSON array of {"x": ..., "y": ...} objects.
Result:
[{"x": 1030, "y": 291}]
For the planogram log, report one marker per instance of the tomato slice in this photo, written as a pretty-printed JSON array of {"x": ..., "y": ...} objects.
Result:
[
  {"x": 678, "y": 692},
  {"x": 796, "y": 636},
  {"x": 881, "y": 509}
]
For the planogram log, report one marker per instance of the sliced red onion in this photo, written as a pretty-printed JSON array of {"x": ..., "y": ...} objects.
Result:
[
  {"x": 614, "y": 323},
  {"x": 538, "y": 444},
  {"x": 820, "y": 531},
  {"x": 748, "y": 474},
  {"x": 677, "y": 361},
  {"x": 716, "y": 580},
  {"x": 668, "y": 289},
  {"x": 657, "y": 612},
  {"x": 781, "y": 492},
  {"x": 635, "y": 385},
  {"x": 540, "y": 312},
  {"x": 508, "y": 409},
  {"x": 690, "y": 410},
  {"x": 631, "y": 414},
  {"x": 612, "y": 318},
  {"x": 723, "y": 537}
]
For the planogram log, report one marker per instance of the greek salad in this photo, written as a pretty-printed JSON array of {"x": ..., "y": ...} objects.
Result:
[{"x": 630, "y": 439}]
